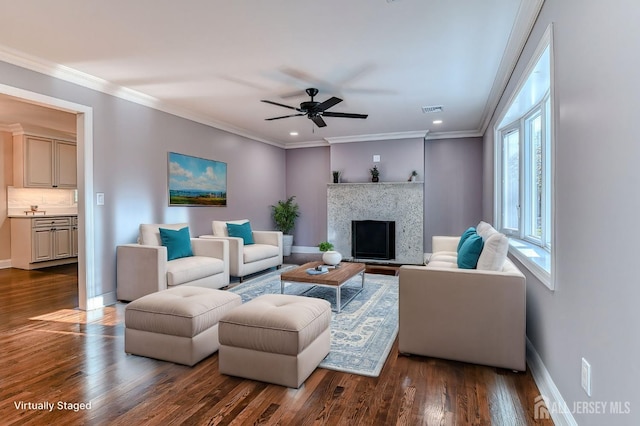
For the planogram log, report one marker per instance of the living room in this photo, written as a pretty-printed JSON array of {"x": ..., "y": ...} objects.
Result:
[{"x": 590, "y": 313}]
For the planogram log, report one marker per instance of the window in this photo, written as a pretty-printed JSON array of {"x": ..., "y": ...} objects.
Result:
[{"x": 523, "y": 173}]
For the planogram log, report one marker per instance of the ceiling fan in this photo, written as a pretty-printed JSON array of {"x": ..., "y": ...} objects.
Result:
[{"x": 315, "y": 110}]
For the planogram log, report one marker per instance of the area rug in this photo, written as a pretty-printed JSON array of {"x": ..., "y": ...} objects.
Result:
[{"x": 362, "y": 334}]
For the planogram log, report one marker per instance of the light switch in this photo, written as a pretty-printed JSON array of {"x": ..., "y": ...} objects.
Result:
[
  {"x": 376, "y": 158},
  {"x": 100, "y": 198}
]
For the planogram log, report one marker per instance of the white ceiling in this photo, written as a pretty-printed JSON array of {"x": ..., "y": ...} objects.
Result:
[{"x": 213, "y": 61}]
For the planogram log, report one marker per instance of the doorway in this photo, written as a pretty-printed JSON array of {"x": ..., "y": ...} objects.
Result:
[{"x": 87, "y": 299}]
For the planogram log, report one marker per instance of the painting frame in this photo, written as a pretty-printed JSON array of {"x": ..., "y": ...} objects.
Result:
[{"x": 195, "y": 181}]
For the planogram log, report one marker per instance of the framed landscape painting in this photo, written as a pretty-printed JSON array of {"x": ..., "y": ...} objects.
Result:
[{"x": 195, "y": 181}]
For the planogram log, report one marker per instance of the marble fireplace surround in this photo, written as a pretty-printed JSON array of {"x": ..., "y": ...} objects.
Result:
[{"x": 400, "y": 202}]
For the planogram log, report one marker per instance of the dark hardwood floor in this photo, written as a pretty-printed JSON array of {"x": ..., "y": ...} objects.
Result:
[{"x": 51, "y": 353}]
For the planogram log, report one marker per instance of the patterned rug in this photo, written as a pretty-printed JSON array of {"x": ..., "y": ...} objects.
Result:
[{"x": 362, "y": 333}]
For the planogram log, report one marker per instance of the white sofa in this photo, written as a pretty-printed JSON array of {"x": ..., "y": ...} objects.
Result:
[
  {"x": 469, "y": 315},
  {"x": 249, "y": 259},
  {"x": 143, "y": 268}
]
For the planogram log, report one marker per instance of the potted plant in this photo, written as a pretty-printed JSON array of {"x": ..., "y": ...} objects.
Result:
[
  {"x": 375, "y": 173},
  {"x": 336, "y": 176},
  {"x": 329, "y": 256},
  {"x": 285, "y": 214},
  {"x": 413, "y": 176}
]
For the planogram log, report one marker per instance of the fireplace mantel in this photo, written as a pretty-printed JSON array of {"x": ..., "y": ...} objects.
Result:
[{"x": 402, "y": 202}]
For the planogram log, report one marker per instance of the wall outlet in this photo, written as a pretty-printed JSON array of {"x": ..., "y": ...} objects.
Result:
[
  {"x": 376, "y": 158},
  {"x": 586, "y": 376},
  {"x": 100, "y": 198}
]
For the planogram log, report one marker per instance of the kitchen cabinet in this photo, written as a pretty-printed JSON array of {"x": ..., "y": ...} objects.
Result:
[
  {"x": 74, "y": 236},
  {"x": 44, "y": 162},
  {"x": 42, "y": 242}
]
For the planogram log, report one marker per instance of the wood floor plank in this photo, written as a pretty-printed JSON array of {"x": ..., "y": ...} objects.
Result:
[{"x": 54, "y": 353}]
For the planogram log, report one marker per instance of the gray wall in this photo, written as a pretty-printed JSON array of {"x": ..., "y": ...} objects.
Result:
[
  {"x": 130, "y": 166},
  {"x": 593, "y": 312},
  {"x": 453, "y": 186},
  {"x": 308, "y": 173},
  {"x": 397, "y": 159},
  {"x": 451, "y": 169}
]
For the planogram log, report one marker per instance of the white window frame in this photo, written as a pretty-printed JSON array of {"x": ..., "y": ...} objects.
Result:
[{"x": 536, "y": 254}]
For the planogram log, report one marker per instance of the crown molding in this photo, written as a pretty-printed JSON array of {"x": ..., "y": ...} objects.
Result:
[
  {"x": 378, "y": 137},
  {"x": 306, "y": 144},
  {"x": 520, "y": 31},
  {"x": 80, "y": 78},
  {"x": 455, "y": 135}
]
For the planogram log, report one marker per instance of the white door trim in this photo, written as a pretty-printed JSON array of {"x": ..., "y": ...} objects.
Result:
[{"x": 87, "y": 297}]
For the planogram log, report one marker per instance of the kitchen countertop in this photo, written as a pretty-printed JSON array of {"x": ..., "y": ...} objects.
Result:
[{"x": 20, "y": 214}]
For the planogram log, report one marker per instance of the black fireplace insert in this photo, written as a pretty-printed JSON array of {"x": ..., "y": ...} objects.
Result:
[{"x": 373, "y": 239}]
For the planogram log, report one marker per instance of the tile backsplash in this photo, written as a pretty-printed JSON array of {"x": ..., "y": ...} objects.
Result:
[{"x": 63, "y": 200}]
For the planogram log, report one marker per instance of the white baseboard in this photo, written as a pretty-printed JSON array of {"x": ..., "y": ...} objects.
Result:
[
  {"x": 101, "y": 301},
  {"x": 5, "y": 263},
  {"x": 555, "y": 404},
  {"x": 303, "y": 249}
]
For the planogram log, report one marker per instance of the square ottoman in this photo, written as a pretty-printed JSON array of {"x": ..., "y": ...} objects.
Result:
[
  {"x": 178, "y": 325},
  {"x": 275, "y": 338}
]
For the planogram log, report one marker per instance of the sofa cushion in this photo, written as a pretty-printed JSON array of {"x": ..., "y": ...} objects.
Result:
[
  {"x": 178, "y": 243},
  {"x": 256, "y": 252},
  {"x": 494, "y": 252},
  {"x": 150, "y": 232},
  {"x": 220, "y": 227},
  {"x": 466, "y": 234},
  {"x": 470, "y": 252},
  {"x": 241, "y": 231},
  {"x": 187, "y": 269},
  {"x": 444, "y": 256},
  {"x": 442, "y": 264}
]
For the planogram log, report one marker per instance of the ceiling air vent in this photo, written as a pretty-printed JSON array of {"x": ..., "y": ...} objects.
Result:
[{"x": 430, "y": 109}]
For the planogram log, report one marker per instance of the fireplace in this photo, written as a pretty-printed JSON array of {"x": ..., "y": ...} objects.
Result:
[{"x": 373, "y": 239}]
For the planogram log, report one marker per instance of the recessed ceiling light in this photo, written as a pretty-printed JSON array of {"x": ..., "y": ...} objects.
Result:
[
  {"x": 293, "y": 133},
  {"x": 437, "y": 121}
]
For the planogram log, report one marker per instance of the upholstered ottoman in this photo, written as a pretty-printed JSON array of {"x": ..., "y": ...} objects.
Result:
[
  {"x": 275, "y": 338},
  {"x": 178, "y": 325}
]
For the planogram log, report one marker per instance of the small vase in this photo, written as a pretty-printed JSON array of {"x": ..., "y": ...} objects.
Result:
[{"x": 331, "y": 257}]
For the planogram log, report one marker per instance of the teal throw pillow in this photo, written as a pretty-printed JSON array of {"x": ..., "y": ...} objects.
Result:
[
  {"x": 178, "y": 243},
  {"x": 241, "y": 231},
  {"x": 470, "y": 252},
  {"x": 466, "y": 234}
]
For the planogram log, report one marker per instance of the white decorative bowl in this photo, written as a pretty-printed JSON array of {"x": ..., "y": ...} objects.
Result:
[{"x": 331, "y": 257}]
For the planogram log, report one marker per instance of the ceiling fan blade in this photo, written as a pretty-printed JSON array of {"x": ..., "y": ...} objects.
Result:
[
  {"x": 277, "y": 104},
  {"x": 344, "y": 114},
  {"x": 327, "y": 104},
  {"x": 283, "y": 116},
  {"x": 319, "y": 121}
]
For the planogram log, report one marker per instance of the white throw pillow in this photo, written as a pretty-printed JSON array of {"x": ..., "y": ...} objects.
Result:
[
  {"x": 494, "y": 252},
  {"x": 485, "y": 230}
]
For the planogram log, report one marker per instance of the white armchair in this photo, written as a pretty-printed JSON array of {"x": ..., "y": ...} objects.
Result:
[
  {"x": 266, "y": 252},
  {"x": 143, "y": 268}
]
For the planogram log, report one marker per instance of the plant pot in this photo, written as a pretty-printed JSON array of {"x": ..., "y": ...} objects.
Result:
[
  {"x": 331, "y": 257},
  {"x": 287, "y": 242},
  {"x": 374, "y": 179}
]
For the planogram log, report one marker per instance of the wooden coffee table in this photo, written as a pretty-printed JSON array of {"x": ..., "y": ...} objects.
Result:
[{"x": 334, "y": 278}]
